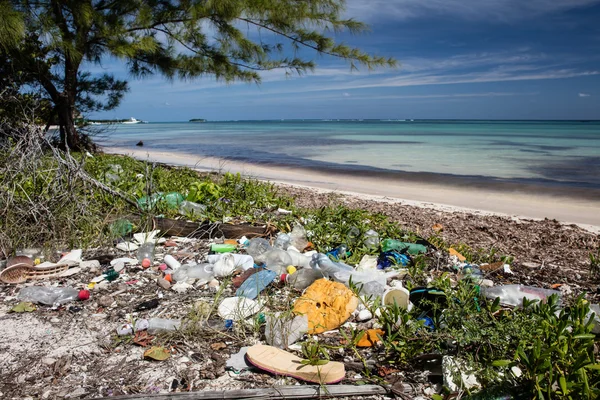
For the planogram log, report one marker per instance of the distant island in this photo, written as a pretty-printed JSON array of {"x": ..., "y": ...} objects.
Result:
[{"x": 197, "y": 120}]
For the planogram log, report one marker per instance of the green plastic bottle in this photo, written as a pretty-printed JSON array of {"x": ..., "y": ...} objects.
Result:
[
  {"x": 410, "y": 248},
  {"x": 223, "y": 248}
]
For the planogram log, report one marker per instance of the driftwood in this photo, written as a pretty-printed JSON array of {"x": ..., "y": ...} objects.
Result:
[
  {"x": 205, "y": 230},
  {"x": 277, "y": 392}
]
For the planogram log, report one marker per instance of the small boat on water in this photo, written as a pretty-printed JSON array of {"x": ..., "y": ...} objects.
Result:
[{"x": 132, "y": 121}]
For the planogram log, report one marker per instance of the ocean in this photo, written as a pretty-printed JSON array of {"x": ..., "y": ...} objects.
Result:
[{"x": 552, "y": 154}]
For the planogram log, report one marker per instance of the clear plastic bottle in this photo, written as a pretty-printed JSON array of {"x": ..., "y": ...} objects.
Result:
[
  {"x": 327, "y": 266},
  {"x": 52, "y": 296},
  {"x": 161, "y": 325},
  {"x": 353, "y": 235},
  {"x": 303, "y": 278},
  {"x": 371, "y": 239},
  {"x": 299, "y": 259},
  {"x": 146, "y": 251},
  {"x": 282, "y": 241},
  {"x": 277, "y": 260},
  {"x": 298, "y": 237},
  {"x": 202, "y": 272},
  {"x": 257, "y": 248},
  {"x": 192, "y": 209},
  {"x": 513, "y": 295}
]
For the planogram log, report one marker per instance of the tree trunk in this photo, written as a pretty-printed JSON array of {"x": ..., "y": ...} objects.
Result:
[{"x": 69, "y": 137}]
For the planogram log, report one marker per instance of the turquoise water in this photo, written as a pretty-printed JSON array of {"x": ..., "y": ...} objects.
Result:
[{"x": 559, "y": 153}]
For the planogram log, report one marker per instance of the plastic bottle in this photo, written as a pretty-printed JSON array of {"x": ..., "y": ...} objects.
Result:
[
  {"x": 353, "y": 235},
  {"x": 242, "y": 261},
  {"x": 255, "y": 284},
  {"x": 173, "y": 199},
  {"x": 513, "y": 295},
  {"x": 298, "y": 259},
  {"x": 222, "y": 248},
  {"x": 277, "y": 260},
  {"x": 327, "y": 266},
  {"x": 282, "y": 241},
  {"x": 257, "y": 248},
  {"x": 202, "y": 272},
  {"x": 389, "y": 258},
  {"x": 410, "y": 248},
  {"x": 339, "y": 252},
  {"x": 225, "y": 266},
  {"x": 146, "y": 251},
  {"x": 52, "y": 296},
  {"x": 360, "y": 278},
  {"x": 298, "y": 237},
  {"x": 172, "y": 262},
  {"x": 282, "y": 332},
  {"x": 191, "y": 208},
  {"x": 161, "y": 325},
  {"x": 303, "y": 278},
  {"x": 371, "y": 239},
  {"x": 372, "y": 288}
]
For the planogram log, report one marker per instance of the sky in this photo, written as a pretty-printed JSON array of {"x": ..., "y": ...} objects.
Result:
[{"x": 459, "y": 59}]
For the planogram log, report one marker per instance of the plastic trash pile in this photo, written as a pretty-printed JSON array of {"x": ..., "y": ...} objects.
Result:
[{"x": 326, "y": 291}]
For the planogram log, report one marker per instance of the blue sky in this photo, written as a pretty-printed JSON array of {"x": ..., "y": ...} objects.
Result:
[{"x": 479, "y": 59}]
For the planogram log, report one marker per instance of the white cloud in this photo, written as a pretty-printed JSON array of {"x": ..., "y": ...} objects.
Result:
[
  {"x": 497, "y": 10},
  {"x": 346, "y": 94},
  {"x": 584, "y": 95}
]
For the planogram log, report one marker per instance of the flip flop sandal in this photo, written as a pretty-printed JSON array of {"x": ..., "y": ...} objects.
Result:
[
  {"x": 280, "y": 362},
  {"x": 20, "y": 273}
]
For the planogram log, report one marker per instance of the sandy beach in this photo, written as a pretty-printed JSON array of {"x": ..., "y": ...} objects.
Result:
[{"x": 568, "y": 208}]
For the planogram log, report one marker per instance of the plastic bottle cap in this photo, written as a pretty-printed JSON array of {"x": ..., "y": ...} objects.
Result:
[
  {"x": 83, "y": 295},
  {"x": 162, "y": 267},
  {"x": 146, "y": 263},
  {"x": 291, "y": 269},
  {"x": 282, "y": 277}
]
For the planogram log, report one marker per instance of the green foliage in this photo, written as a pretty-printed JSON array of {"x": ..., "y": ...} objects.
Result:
[
  {"x": 330, "y": 226},
  {"x": 314, "y": 353},
  {"x": 560, "y": 361},
  {"x": 553, "y": 348}
]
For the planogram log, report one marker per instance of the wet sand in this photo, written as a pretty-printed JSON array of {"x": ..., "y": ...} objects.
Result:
[{"x": 444, "y": 194}]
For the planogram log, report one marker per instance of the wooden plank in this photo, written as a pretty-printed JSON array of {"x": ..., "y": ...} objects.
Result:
[
  {"x": 277, "y": 392},
  {"x": 205, "y": 230}
]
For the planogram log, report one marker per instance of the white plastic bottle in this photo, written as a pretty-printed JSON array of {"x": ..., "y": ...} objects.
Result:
[{"x": 161, "y": 325}]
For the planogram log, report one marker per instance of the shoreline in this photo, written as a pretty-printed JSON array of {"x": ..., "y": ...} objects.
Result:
[{"x": 442, "y": 196}]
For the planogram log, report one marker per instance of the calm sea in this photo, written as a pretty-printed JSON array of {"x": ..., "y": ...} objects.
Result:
[{"x": 550, "y": 153}]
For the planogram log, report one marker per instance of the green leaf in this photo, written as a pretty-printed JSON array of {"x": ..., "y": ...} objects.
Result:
[
  {"x": 563, "y": 384},
  {"x": 501, "y": 363},
  {"x": 24, "y": 306},
  {"x": 584, "y": 336},
  {"x": 593, "y": 366}
]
